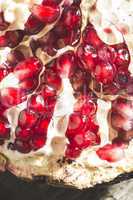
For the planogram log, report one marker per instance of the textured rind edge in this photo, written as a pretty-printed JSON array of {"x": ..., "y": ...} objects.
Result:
[{"x": 35, "y": 175}]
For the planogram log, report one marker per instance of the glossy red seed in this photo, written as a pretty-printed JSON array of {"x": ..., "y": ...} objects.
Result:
[
  {"x": 72, "y": 152},
  {"x": 75, "y": 123},
  {"x": 4, "y": 129},
  {"x": 51, "y": 2},
  {"x": 14, "y": 57},
  {"x": 88, "y": 56},
  {"x": 91, "y": 37},
  {"x": 22, "y": 147},
  {"x": 3, "y": 72},
  {"x": 23, "y": 134},
  {"x": 3, "y": 41},
  {"x": 33, "y": 25},
  {"x": 28, "y": 68},
  {"x": 11, "y": 96},
  {"x": 104, "y": 72},
  {"x": 52, "y": 79},
  {"x": 66, "y": 64},
  {"x": 47, "y": 91},
  {"x": 38, "y": 142},
  {"x": 29, "y": 85},
  {"x": 111, "y": 152},
  {"x": 27, "y": 119},
  {"x": 46, "y": 13},
  {"x": 14, "y": 37},
  {"x": 122, "y": 55},
  {"x": 37, "y": 104},
  {"x": 42, "y": 126}
]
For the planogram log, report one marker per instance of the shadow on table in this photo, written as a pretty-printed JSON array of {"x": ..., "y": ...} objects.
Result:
[{"x": 12, "y": 188}]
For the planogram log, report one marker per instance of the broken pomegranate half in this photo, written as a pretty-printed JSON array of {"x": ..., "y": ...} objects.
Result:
[{"x": 66, "y": 91}]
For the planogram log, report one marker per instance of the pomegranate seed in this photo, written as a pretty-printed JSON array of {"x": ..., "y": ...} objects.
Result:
[
  {"x": 14, "y": 57},
  {"x": 3, "y": 41},
  {"x": 33, "y": 25},
  {"x": 28, "y": 68},
  {"x": 122, "y": 56},
  {"x": 37, "y": 104},
  {"x": 88, "y": 56},
  {"x": 126, "y": 136},
  {"x": 3, "y": 24},
  {"x": 90, "y": 37},
  {"x": 27, "y": 119},
  {"x": 3, "y": 72},
  {"x": 124, "y": 107},
  {"x": 11, "y": 96},
  {"x": 42, "y": 126},
  {"x": 66, "y": 64},
  {"x": 28, "y": 85},
  {"x": 4, "y": 129},
  {"x": 48, "y": 91},
  {"x": 72, "y": 152},
  {"x": 46, "y": 13},
  {"x": 129, "y": 86},
  {"x": 71, "y": 16},
  {"x": 75, "y": 123},
  {"x": 51, "y": 2},
  {"x": 104, "y": 72},
  {"x": 86, "y": 105},
  {"x": 38, "y": 142},
  {"x": 23, "y": 134},
  {"x": 14, "y": 37},
  {"x": 50, "y": 101},
  {"x": 111, "y": 152},
  {"x": 117, "y": 121},
  {"x": 52, "y": 79},
  {"x": 22, "y": 146}
]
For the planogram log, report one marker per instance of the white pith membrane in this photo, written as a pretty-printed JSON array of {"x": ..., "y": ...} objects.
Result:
[{"x": 88, "y": 169}]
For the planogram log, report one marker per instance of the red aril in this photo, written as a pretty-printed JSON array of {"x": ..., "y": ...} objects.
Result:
[
  {"x": 22, "y": 146},
  {"x": 91, "y": 37},
  {"x": 27, "y": 119},
  {"x": 37, "y": 104},
  {"x": 111, "y": 152},
  {"x": 33, "y": 25},
  {"x": 72, "y": 152},
  {"x": 23, "y": 134},
  {"x": 11, "y": 96},
  {"x": 46, "y": 13},
  {"x": 4, "y": 128},
  {"x": 28, "y": 68},
  {"x": 104, "y": 72},
  {"x": 66, "y": 64}
]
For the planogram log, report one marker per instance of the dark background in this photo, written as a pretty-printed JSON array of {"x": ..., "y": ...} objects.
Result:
[{"x": 12, "y": 188}]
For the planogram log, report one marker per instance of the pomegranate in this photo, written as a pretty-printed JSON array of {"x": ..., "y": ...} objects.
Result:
[{"x": 66, "y": 105}]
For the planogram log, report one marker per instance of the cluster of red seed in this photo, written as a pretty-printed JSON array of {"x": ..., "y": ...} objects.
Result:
[{"x": 94, "y": 61}]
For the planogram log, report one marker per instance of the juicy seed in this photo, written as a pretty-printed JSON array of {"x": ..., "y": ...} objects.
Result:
[
  {"x": 36, "y": 103},
  {"x": 91, "y": 37},
  {"x": 33, "y": 25},
  {"x": 72, "y": 152},
  {"x": 45, "y": 13},
  {"x": 22, "y": 146},
  {"x": 111, "y": 153},
  {"x": 27, "y": 119},
  {"x": 28, "y": 68},
  {"x": 23, "y": 134},
  {"x": 14, "y": 57},
  {"x": 38, "y": 142},
  {"x": 52, "y": 79},
  {"x": 66, "y": 64},
  {"x": 11, "y": 96},
  {"x": 104, "y": 73},
  {"x": 4, "y": 129}
]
